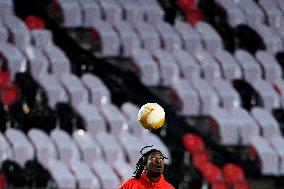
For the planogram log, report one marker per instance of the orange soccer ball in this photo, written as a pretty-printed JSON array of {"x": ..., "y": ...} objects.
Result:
[{"x": 151, "y": 116}]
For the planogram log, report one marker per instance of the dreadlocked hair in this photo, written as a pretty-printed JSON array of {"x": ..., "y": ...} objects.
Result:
[{"x": 142, "y": 162}]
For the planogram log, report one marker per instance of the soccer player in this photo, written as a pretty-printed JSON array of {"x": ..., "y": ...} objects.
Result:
[{"x": 149, "y": 172}]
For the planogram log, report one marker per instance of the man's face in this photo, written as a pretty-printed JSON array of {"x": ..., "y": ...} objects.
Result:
[{"x": 156, "y": 163}]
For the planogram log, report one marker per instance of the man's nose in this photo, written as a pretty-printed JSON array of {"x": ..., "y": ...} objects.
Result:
[{"x": 159, "y": 160}]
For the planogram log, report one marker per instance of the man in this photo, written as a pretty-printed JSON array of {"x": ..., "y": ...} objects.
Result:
[{"x": 149, "y": 172}]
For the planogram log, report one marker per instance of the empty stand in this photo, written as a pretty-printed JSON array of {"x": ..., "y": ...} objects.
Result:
[
  {"x": 130, "y": 109},
  {"x": 133, "y": 10},
  {"x": 67, "y": 13},
  {"x": 130, "y": 144},
  {"x": 269, "y": 96},
  {"x": 58, "y": 61},
  {"x": 83, "y": 174},
  {"x": 169, "y": 37},
  {"x": 44, "y": 147},
  {"x": 106, "y": 175},
  {"x": 128, "y": 38},
  {"x": 270, "y": 37},
  {"x": 13, "y": 58},
  {"x": 5, "y": 150},
  {"x": 98, "y": 92},
  {"x": 111, "y": 10},
  {"x": 7, "y": 8},
  {"x": 190, "y": 37},
  {"x": 112, "y": 152},
  {"x": 229, "y": 66},
  {"x": 168, "y": 67},
  {"x": 3, "y": 33},
  {"x": 272, "y": 70},
  {"x": 22, "y": 148},
  {"x": 208, "y": 97},
  {"x": 210, "y": 67},
  {"x": 266, "y": 155},
  {"x": 93, "y": 120},
  {"x": 148, "y": 35},
  {"x": 147, "y": 68},
  {"x": 18, "y": 31},
  {"x": 215, "y": 66},
  {"x": 186, "y": 98},
  {"x": 277, "y": 143},
  {"x": 65, "y": 146},
  {"x": 37, "y": 62},
  {"x": 89, "y": 148},
  {"x": 228, "y": 95},
  {"x": 153, "y": 11},
  {"x": 75, "y": 89},
  {"x": 91, "y": 12},
  {"x": 61, "y": 174},
  {"x": 267, "y": 122},
  {"x": 251, "y": 70},
  {"x": 210, "y": 37},
  {"x": 227, "y": 126},
  {"x": 189, "y": 67},
  {"x": 123, "y": 169},
  {"x": 234, "y": 11},
  {"x": 253, "y": 13},
  {"x": 116, "y": 121},
  {"x": 247, "y": 126},
  {"x": 54, "y": 91},
  {"x": 104, "y": 39}
]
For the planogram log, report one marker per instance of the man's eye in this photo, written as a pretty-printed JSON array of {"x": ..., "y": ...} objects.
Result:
[{"x": 156, "y": 158}]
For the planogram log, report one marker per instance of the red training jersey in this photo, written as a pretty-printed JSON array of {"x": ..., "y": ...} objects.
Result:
[{"x": 145, "y": 182}]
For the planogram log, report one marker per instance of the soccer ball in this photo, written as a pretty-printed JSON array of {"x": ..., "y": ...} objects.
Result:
[{"x": 151, "y": 116}]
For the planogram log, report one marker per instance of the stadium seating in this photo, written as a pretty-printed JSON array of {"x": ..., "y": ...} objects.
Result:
[{"x": 216, "y": 69}]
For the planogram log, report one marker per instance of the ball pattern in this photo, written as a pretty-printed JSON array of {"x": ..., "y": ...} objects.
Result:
[{"x": 151, "y": 116}]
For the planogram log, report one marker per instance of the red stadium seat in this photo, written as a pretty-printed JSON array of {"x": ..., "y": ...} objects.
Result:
[
  {"x": 193, "y": 143},
  {"x": 185, "y": 5},
  {"x": 2, "y": 180},
  {"x": 200, "y": 158},
  {"x": 211, "y": 172},
  {"x": 241, "y": 185},
  {"x": 193, "y": 16},
  {"x": 219, "y": 185},
  {"x": 34, "y": 22},
  {"x": 233, "y": 173},
  {"x": 9, "y": 94},
  {"x": 5, "y": 78}
]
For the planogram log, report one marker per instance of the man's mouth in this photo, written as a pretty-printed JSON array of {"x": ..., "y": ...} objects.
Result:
[{"x": 159, "y": 167}]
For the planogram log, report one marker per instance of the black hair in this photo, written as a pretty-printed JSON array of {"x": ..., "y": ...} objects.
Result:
[{"x": 142, "y": 162}]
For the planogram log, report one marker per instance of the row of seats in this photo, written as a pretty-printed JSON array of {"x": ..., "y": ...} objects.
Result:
[
  {"x": 85, "y": 13},
  {"x": 238, "y": 126},
  {"x": 132, "y": 35},
  {"x": 230, "y": 176},
  {"x": 31, "y": 50},
  {"x": 169, "y": 71},
  {"x": 73, "y": 157},
  {"x": 194, "y": 95},
  {"x": 257, "y": 127},
  {"x": 167, "y": 45},
  {"x": 192, "y": 68},
  {"x": 255, "y": 15},
  {"x": 269, "y": 153}
]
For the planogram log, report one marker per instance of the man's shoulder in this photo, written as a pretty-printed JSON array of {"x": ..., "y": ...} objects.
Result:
[
  {"x": 169, "y": 186},
  {"x": 129, "y": 183}
]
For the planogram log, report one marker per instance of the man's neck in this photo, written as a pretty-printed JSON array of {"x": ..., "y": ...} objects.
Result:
[{"x": 154, "y": 177}]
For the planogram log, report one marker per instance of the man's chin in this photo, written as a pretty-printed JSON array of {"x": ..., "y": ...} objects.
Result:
[{"x": 157, "y": 173}]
